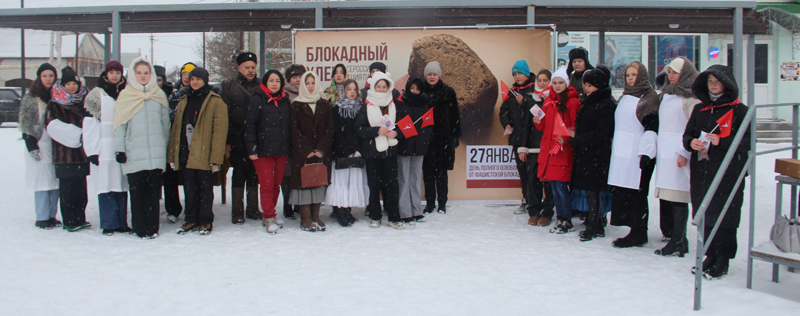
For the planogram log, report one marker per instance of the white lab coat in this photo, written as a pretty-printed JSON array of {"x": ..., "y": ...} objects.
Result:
[{"x": 98, "y": 139}]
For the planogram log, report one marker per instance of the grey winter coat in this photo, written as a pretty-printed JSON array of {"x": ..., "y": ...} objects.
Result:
[{"x": 144, "y": 138}]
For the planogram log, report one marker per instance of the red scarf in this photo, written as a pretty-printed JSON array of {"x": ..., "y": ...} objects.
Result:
[
  {"x": 272, "y": 98},
  {"x": 523, "y": 87},
  {"x": 709, "y": 107}
]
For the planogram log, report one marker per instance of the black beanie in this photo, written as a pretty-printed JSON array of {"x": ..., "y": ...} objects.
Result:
[
  {"x": 378, "y": 65},
  {"x": 598, "y": 77},
  {"x": 161, "y": 72},
  {"x": 199, "y": 72},
  {"x": 46, "y": 66},
  {"x": 67, "y": 75}
]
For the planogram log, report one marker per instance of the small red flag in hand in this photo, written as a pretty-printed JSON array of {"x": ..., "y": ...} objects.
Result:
[
  {"x": 407, "y": 127},
  {"x": 504, "y": 89},
  {"x": 427, "y": 118},
  {"x": 725, "y": 123},
  {"x": 559, "y": 128}
]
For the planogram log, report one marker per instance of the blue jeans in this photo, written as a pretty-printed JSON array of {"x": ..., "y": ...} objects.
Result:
[
  {"x": 46, "y": 204},
  {"x": 562, "y": 198},
  {"x": 113, "y": 209}
]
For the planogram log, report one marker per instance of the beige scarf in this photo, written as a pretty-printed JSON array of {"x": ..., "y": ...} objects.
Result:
[
  {"x": 132, "y": 98},
  {"x": 306, "y": 96}
]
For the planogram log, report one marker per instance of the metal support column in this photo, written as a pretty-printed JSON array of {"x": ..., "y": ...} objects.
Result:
[
  {"x": 751, "y": 96},
  {"x": 531, "y": 15},
  {"x": 22, "y": 53},
  {"x": 738, "y": 47},
  {"x": 262, "y": 54},
  {"x": 116, "y": 30},
  {"x": 106, "y": 47},
  {"x": 601, "y": 47},
  {"x": 318, "y": 18}
]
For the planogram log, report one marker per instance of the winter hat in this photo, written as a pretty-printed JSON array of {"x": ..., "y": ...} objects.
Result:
[
  {"x": 246, "y": 56},
  {"x": 114, "y": 65},
  {"x": 380, "y": 98},
  {"x": 578, "y": 52},
  {"x": 377, "y": 65},
  {"x": 676, "y": 65},
  {"x": 199, "y": 72},
  {"x": 433, "y": 67},
  {"x": 521, "y": 66},
  {"x": 294, "y": 70},
  {"x": 161, "y": 72},
  {"x": 46, "y": 66},
  {"x": 67, "y": 75},
  {"x": 562, "y": 73},
  {"x": 188, "y": 67},
  {"x": 597, "y": 77}
]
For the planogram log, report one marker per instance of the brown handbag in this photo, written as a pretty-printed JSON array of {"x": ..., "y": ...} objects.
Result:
[{"x": 313, "y": 175}]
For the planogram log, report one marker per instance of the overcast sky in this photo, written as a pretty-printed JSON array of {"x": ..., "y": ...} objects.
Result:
[{"x": 172, "y": 49}]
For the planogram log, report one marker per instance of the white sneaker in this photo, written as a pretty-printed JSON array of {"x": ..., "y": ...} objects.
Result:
[
  {"x": 279, "y": 221},
  {"x": 375, "y": 224},
  {"x": 522, "y": 209},
  {"x": 396, "y": 225},
  {"x": 272, "y": 228},
  {"x": 172, "y": 218}
]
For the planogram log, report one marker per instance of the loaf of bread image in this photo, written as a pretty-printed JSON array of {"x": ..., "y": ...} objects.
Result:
[{"x": 462, "y": 69}]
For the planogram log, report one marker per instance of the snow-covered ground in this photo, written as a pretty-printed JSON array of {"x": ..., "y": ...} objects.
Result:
[{"x": 476, "y": 260}]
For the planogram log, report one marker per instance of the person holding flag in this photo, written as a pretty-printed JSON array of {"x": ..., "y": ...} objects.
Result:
[
  {"x": 517, "y": 119},
  {"x": 720, "y": 111},
  {"x": 416, "y": 119},
  {"x": 555, "y": 157}
]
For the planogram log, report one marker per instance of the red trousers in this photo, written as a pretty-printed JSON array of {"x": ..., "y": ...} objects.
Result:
[{"x": 270, "y": 174}]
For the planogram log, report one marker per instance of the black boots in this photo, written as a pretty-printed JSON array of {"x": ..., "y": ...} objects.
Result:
[
  {"x": 594, "y": 225},
  {"x": 678, "y": 245},
  {"x": 714, "y": 267},
  {"x": 428, "y": 209},
  {"x": 252, "y": 211},
  {"x": 237, "y": 206},
  {"x": 636, "y": 238},
  {"x": 344, "y": 217}
]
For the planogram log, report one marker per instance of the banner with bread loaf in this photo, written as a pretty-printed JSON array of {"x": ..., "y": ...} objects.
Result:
[{"x": 473, "y": 62}]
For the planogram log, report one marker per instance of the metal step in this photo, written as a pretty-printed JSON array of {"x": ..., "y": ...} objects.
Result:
[
  {"x": 774, "y": 134},
  {"x": 772, "y": 125},
  {"x": 774, "y": 140}
]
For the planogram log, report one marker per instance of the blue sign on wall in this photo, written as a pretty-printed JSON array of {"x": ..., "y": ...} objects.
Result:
[{"x": 669, "y": 47}]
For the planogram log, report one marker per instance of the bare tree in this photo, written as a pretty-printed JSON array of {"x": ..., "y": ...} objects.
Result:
[{"x": 221, "y": 51}]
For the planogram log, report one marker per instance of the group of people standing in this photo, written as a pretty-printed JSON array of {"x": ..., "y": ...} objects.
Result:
[
  {"x": 580, "y": 149},
  {"x": 138, "y": 133}
]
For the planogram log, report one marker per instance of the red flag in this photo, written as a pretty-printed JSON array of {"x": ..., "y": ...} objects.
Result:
[
  {"x": 725, "y": 123},
  {"x": 504, "y": 89},
  {"x": 427, "y": 118},
  {"x": 407, "y": 127},
  {"x": 559, "y": 128}
]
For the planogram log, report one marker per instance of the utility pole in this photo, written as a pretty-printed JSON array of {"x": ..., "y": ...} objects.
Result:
[{"x": 22, "y": 56}]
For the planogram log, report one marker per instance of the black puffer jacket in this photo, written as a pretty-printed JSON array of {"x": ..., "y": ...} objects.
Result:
[
  {"x": 268, "y": 130},
  {"x": 345, "y": 140},
  {"x": 594, "y": 132},
  {"x": 447, "y": 126},
  {"x": 704, "y": 119},
  {"x": 236, "y": 93},
  {"x": 367, "y": 134},
  {"x": 414, "y": 105},
  {"x": 519, "y": 117},
  {"x": 111, "y": 89}
]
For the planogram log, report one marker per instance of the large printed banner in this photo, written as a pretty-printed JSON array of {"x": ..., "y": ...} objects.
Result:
[{"x": 473, "y": 62}]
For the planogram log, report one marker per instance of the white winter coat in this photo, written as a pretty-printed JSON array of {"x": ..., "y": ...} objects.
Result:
[
  {"x": 41, "y": 175},
  {"x": 98, "y": 139}
]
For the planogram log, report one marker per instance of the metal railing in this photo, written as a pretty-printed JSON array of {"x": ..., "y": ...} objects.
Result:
[{"x": 699, "y": 219}]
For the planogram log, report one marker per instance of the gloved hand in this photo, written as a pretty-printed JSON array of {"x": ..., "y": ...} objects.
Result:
[
  {"x": 214, "y": 168},
  {"x": 121, "y": 157},
  {"x": 95, "y": 159},
  {"x": 35, "y": 154},
  {"x": 646, "y": 162},
  {"x": 455, "y": 142}
]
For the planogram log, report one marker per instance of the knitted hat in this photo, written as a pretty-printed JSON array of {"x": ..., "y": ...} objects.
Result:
[
  {"x": 246, "y": 56},
  {"x": 676, "y": 65},
  {"x": 294, "y": 70},
  {"x": 433, "y": 67},
  {"x": 521, "y": 66},
  {"x": 597, "y": 77},
  {"x": 377, "y": 65},
  {"x": 199, "y": 72},
  {"x": 188, "y": 67},
  {"x": 161, "y": 72},
  {"x": 561, "y": 73},
  {"x": 114, "y": 65},
  {"x": 68, "y": 74},
  {"x": 46, "y": 66}
]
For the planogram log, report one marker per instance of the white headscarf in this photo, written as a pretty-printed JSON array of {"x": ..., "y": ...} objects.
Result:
[
  {"x": 376, "y": 100},
  {"x": 306, "y": 96},
  {"x": 131, "y": 99}
]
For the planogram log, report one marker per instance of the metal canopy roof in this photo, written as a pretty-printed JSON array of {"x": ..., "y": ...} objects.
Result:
[{"x": 568, "y": 15}]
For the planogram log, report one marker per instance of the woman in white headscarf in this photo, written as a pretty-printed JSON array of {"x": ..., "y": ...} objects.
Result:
[{"x": 141, "y": 131}]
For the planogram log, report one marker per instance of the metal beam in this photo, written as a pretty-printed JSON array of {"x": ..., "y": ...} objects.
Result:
[
  {"x": 531, "y": 15},
  {"x": 601, "y": 47},
  {"x": 738, "y": 48},
  {"x": 318, "y": 18},
  {"x": 116, "y": 30},
  {"x": 751, "y": 97},
  {"x": 262, "y": 54},
  {"x": 106, "y": 47}
]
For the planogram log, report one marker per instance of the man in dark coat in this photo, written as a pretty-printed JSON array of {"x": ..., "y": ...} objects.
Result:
[
  {"x": 236, "y": 93},
  {"x": 578, "y": 63},
  {"x": 165, "y": 85},
  {"x": 441, "y": 155},
  {"x": 716, "y": 88}
]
